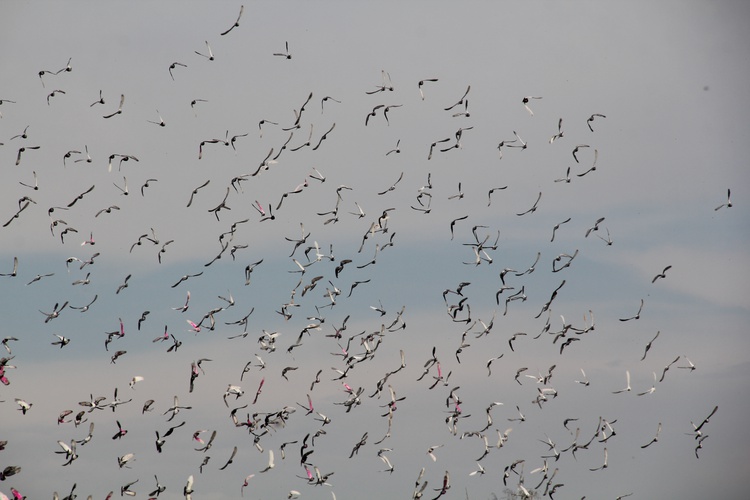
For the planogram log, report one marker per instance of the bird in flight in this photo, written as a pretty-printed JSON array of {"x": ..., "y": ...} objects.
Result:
[{"x": 237, "y": 22}]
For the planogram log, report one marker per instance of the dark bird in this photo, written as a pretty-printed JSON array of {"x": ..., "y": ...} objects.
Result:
[
  {"x": 173, "y": 66},
  {"x": 237, "y": 22},
  {"x": 728, "y": 204},
  {"x": 421, "y": 84},
  {"x": 285, "y": 54},
  {"x": 591, "y": 119},
  {"x": 661, "y": 274},
  {"x": 460, "y": 101}
]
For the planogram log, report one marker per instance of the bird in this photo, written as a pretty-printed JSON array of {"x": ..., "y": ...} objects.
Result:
[
  {"x": 323, "y": 138},
  {"x": 107, "y": 210},
  {"x": 661, "y": 274},
  {"x": 15, "y": 268},
  {"x": 55, "y": 312},
  {"x": 385, "y": 111},
  {"x": 690, "y": 366},
  {"x": 286, "y": 54},
  {"x": 637, "y": 315},
  {"x": 557, "y": 226},
  {"x": 453, "y": 223},
  {"x": 525, "y": 101},
  {"x": 53, "y": 94},
  {"x": 653, "y": 387},
  {"x": 22, "y": 150},
  {"x": 585, "y": 380},
  {"x": 23, "y": 406},
  {"x": 188, "y": 489},
  {"x": 595, "y": 227},
  {"x": 231, "y": 459},
  {"x": 604, "y": 466},
  {"x": 236, "y": 23},
  {"x": 591, "y": 119},
  {"x": 593, "y": 165},
  {"x": 271, "y": 464},
  {"x": 173, "y": 66},
  {"x": 22, "y": 135},
  {"x": 123, "y": 286},
  {"x": 161, "y": 122},
  {"x": 86, "y": 307},
  {"x": 98, "y": 101},
  {"x": 135, "y": 380},
  {"x": 396, "y": 149},
  {"x": 62, "y": 341},
  {"x": 210, "y": 55},
  {"x": 533, "y": 208},
  {"x": 460, "y": 101},
  {"x": 489, "y": 194},
  {"x": 119, "y": 109},
  {"x": 120, "y": 431},
  {"x": 430, "y": 451},
  {"x": 393, "y": 186},
  {"x": 607, "y": 240},
  {"x": 387, "y": 84},
  {"x": 159, "y": 488},
  {"x": 146, "y": 184},
  {"x": 565, "y": 179},
  {"x": 575, "y": 150},
  {"x": 666, "y": 368},
  {"x": 728, "y": 204},
  {"x": 35, "y": 187},
  {"x": 195, "y": 191},
  {"x": 627, "y": 388},
  {"x": 5, "y": 343},
  {"x": 559, "y": 133},
  {"x": 38, "y": 277},
  {"x": 421, "y": 84}
]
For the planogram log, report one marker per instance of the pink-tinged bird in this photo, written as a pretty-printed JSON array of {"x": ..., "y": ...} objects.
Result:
[
  {"x": 195, "y": 328},
  {"x": 120, "y": 431},
  {"x": 245, "y": 484},
  {"x": 257, "y": 393}
]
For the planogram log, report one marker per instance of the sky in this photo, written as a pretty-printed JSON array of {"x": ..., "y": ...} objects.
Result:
[{"x": 645, "y": 191}]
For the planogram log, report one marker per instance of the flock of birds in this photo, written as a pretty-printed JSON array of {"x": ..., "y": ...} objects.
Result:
[{"x": 282, "y": 431}]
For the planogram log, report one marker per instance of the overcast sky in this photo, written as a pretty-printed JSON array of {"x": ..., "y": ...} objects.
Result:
[{"x": 666, "y": 85}]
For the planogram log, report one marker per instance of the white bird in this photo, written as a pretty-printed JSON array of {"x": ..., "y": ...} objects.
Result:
[
  {"x": 626, "y": 389},
  {"x": 233, "y": 390},
  {"x": 135, "y": 380},
  {"x": 270, "y": 462},
  {"x": 430, "y": 451},
  {"x": 585, "y": 380},
  {"x": 188, "y": 489},
  {"x": 650, "y": 391},
  {"x": 604, "y": 466}
]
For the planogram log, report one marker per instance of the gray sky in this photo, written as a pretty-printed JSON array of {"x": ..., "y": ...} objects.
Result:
[{"x": 670, "y": 79}]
